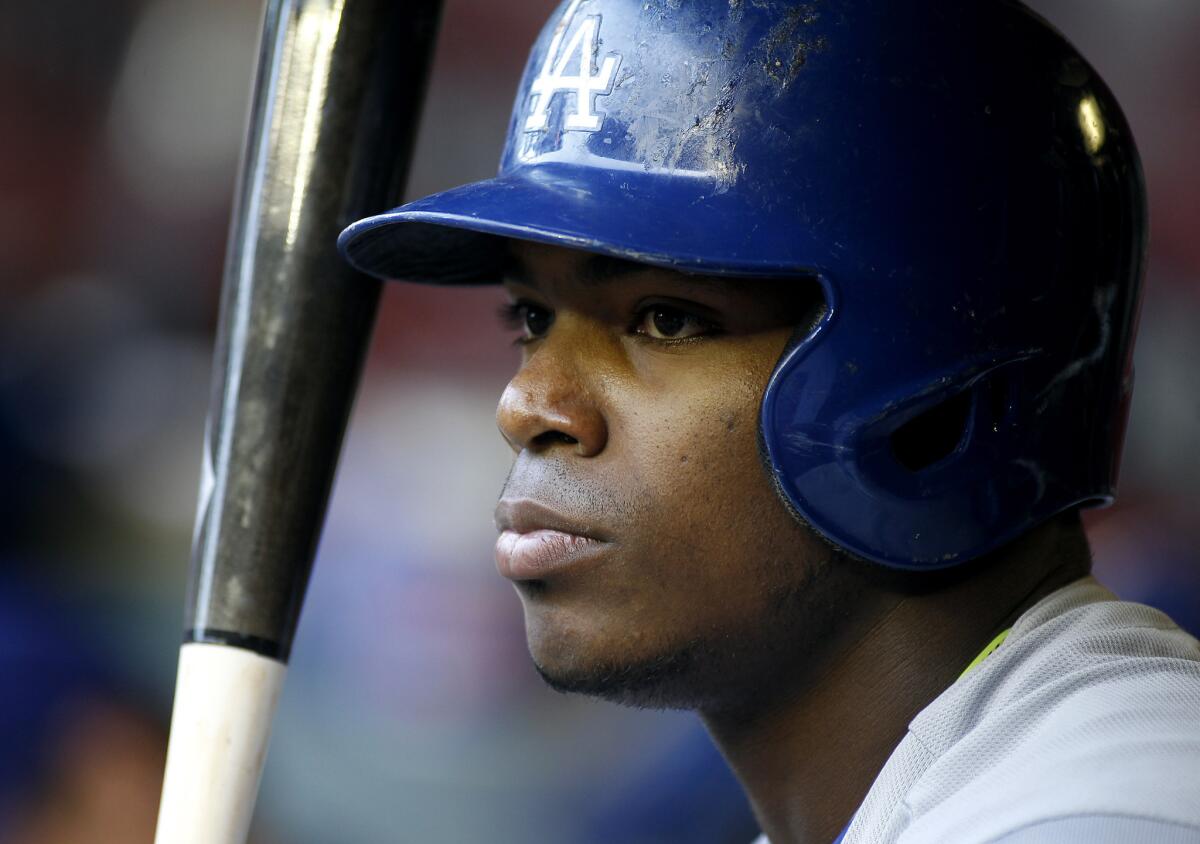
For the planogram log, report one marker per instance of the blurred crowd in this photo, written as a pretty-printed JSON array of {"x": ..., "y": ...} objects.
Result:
[{"x": 411, "y": 712}]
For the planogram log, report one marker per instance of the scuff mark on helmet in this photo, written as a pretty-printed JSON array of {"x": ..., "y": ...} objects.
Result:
[
  {"x": 709, "y": 143},
  {"x": 784, "y": 51}
]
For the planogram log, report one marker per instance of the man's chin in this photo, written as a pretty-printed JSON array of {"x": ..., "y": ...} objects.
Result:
[{"x": 668, "y": 681}]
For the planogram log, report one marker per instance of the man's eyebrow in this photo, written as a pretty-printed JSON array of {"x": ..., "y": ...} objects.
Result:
[
  {"x": 597, "y": 269},
  {"x": 593, "y": 271}
]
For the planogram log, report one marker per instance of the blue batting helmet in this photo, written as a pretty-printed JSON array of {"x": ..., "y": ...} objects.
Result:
[{"x": 955, "y": 176}]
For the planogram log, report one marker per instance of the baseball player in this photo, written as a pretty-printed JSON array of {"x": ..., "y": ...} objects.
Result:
[{"x": 826, "y": 312}]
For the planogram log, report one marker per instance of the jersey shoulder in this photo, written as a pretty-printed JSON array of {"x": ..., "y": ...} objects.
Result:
[{"x": 1089, "y": 714}]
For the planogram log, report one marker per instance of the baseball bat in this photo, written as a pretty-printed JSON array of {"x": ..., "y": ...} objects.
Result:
[{"x": 336, "y": 98}]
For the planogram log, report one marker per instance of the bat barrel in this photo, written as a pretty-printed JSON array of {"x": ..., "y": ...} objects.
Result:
[{"x": 336, "y": 99}]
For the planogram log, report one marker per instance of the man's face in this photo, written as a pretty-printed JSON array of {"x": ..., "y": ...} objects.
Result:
[{"x": 654, "y": 559}]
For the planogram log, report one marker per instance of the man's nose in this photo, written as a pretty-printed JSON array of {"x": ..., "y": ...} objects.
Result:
[{"x": 549, "y": 405}]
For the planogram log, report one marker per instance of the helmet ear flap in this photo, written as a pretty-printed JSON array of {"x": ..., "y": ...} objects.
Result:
[
  {"x": 944, "y": 442},
  {"x": 934, "y": 434},
  {"x": 944, "y": 429},
  {"x": 922, "y": 481}
]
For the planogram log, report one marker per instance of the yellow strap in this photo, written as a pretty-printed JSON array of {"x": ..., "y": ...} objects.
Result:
[{"x": 986, "y": 652}]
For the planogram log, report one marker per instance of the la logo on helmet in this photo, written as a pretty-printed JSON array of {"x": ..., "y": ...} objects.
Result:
[{"x": 556, "y": 77}]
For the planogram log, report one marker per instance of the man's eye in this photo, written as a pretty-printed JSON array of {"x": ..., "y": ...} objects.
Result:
[
  {"x": 537, "y": 320},
  {"x": 663, "y": 322},
  {"x": 533, "y": 321}
]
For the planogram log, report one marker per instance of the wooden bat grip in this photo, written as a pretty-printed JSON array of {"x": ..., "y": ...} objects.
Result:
[{"x": 336, "y": 99}]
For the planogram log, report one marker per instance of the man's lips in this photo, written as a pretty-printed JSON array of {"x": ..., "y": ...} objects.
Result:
[
  {"x": 541, "y": 553},
  {"x": 536, "y": 541}
]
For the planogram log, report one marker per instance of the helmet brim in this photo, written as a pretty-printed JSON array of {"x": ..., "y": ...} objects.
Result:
[{"x": 459, "y": 236}]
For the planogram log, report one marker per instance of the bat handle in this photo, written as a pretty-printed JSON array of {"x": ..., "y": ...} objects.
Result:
[
  {"x": 333, "y": 117},
  {"x": 224, "y": 704}
]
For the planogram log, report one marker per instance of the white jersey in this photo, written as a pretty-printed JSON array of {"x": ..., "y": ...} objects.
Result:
[{"x": 1083, "y": 726}]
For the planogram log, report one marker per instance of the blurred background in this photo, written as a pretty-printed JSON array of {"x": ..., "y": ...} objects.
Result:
[{"x": 411, "y": 712}]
